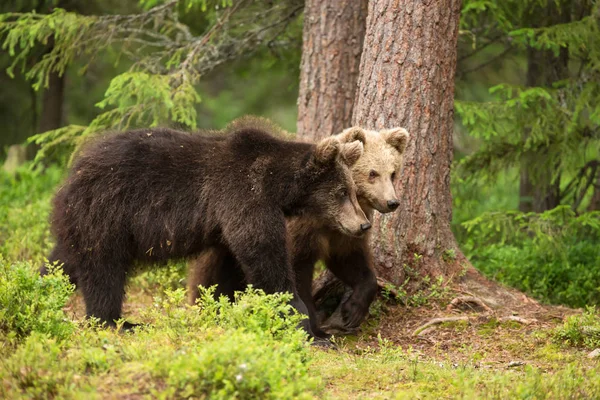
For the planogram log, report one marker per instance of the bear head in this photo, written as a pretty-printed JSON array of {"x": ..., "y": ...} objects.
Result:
[
  {"x": 376, "y": 171},
  {"x": 333, "y": 193}
]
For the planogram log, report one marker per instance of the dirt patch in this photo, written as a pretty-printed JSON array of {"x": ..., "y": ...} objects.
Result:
[{"x": 502, "y": 338}]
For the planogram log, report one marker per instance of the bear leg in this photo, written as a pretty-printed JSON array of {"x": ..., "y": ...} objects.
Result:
[
  {"x": 353, "y": 269},
  {"x": 304, "y": 269},
  {"x": 215, "y": 266},
  {"x": 103, "y": 288},
  {"x": 230, "y": 278}
]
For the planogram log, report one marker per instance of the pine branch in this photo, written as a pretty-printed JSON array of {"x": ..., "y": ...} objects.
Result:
[{"x": 168, "y": 60}]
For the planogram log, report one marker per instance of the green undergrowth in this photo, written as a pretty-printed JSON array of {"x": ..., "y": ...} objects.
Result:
[
  {"x": 24, "y": 212},
  {"x": 250, "y": 349},
  {"x": 553, "y": 256},
  {"x": 30, "y": 304},
  {"x": 581, "y": 330}
]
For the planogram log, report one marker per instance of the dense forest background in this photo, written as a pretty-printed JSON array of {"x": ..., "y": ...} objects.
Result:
[{"x": 526, "y": 175}]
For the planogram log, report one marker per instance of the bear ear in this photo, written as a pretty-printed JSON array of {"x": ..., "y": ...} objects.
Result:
[
  {"x": 352, "y": 134},
  {"x": 327, "y": 150},
  {"x": 351, "y": 152},
  {"x": 397, "y": 138}
]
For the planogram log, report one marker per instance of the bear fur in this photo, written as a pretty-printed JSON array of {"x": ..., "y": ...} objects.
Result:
[
  {"x": 151, "y": 195},
  {"x": 311, "y": 239}
]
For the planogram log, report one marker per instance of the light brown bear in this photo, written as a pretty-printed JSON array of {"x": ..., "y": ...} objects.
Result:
[{"x": 310, "y": 240}]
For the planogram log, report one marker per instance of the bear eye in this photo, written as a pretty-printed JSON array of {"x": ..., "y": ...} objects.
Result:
[
  {"x": 344, "y": 193},
  {"x": 393, "y": 176},
  {"x": 373, "y": 174}
]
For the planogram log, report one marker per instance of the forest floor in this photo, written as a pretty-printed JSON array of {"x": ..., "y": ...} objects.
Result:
[
  {"x": 461, "y": 355},
  {"x": 465, "y": 353},
  {"x": 220, "y": 351}
]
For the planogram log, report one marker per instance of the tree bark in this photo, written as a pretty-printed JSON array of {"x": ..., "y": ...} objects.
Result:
[
  {"x": 539, "y": 187},
  {"x": 332, "y": 45},
  {"x": 407, "y": 79},
  {"x": 51, "y": 114}
]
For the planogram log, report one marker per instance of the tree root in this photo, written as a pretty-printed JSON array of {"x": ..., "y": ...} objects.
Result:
[
  {"x": 470, "y": 303},
  {"x": 520, "y": 320},
  {"x": 431, "y": 325}
]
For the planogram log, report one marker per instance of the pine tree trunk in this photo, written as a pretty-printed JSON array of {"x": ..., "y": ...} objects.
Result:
[
  {"x": 539, "y": 188},
  {"x": 332, "y": 44},
  {"x": 51, "y": 115},
  {"x": 407, "y": 79}
]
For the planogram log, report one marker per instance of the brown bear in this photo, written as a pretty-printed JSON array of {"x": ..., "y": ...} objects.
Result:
[
  {"x": 346, "y": 255},
  {"x": 156, "y": 194}
]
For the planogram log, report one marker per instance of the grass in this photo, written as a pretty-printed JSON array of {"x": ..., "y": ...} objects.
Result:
[
  {"x": 248, "y": 350},
  {"x": 406, "y": 375}
]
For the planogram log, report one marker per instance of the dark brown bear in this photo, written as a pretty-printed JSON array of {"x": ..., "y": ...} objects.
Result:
[
  {"x": 157, "y": 194},
  {"x": 348, "y": 257}
]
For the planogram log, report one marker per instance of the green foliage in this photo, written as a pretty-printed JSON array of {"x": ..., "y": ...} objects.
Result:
[
  {"x": 471, "y": 198},
  {"x": 548, "y": 228},
  {"x": 24, "y": 212},
  {"x": 546, "y": 124},
  {"x": 24, "y": 31},
  {"x": 30, "y": 303},
  {"x": 36, "y": 369},
  {"x": 560, "y": 124},
  {"x": 234, "y": 365},
  {"x": 258, "y": 350},
  {"x": 148, "y": 97},
  {"x": 252, "y": 311},
  {"x": 166, "y": 54},
  {"x": 580, "y": 37},
  {"x": 533, "y": 140},
  {"x": 581, "y": 330},
  {"x": 553, "y": 255},
  {"x": 244, "y": 350},
  {"x": 203, "y": 5}
]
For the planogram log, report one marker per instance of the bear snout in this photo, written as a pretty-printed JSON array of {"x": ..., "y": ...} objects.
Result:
[{"x": 393, "y": 204}]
